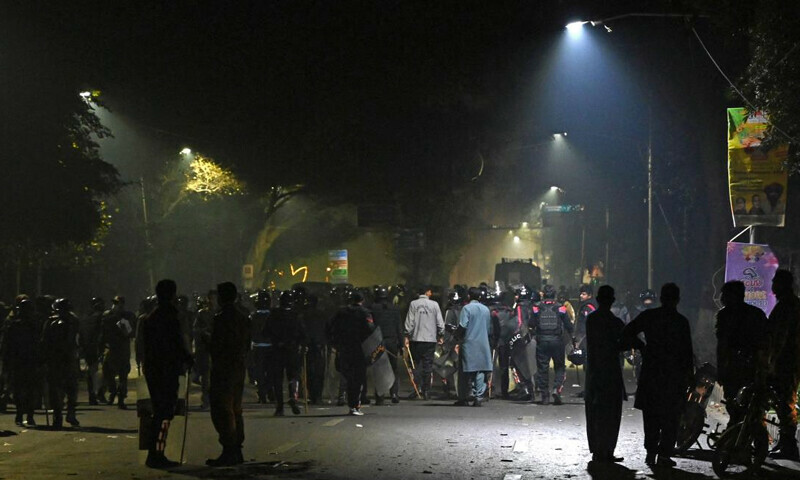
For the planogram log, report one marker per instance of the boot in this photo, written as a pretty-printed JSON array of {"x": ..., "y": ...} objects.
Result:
[
  {"x": 545, "y": 398},
  {"x": 121, "y": 404},
  {"x": 18, "y": 420},
  {"x": 30, "y": 421},
  {"x": 155, "y": 456},
  {"x": 557, "y": 396},
  {"x": 787, "y": 445},
  {"x": 111, "y": 396},
  {"x": 92, "y": 398},
  {"x": 156, "y": 459},
  {"x": 294, "y": 407},
  {"x": 227, "y": 458},
  {"x": 72, "y": 420}
]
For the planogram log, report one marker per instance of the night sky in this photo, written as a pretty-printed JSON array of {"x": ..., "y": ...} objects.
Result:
[{"x": 368, "y": 97}]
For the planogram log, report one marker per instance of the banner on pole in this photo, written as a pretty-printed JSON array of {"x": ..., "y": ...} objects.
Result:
[
  {"x": 757, "y": 178},
  {"x": 755, "y": 265}
]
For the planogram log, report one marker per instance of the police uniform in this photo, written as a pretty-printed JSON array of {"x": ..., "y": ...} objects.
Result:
[
  {"x": 60, "y": 352},
  {"x": 548, "y": 323}
]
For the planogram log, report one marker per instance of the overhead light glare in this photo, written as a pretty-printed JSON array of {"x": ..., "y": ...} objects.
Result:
[
  {"x": 574, "y": 27},
  {"x": 186, "y": 151}
]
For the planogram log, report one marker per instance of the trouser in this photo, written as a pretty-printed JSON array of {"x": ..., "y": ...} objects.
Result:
[
  {"x": 60, "y": 385},
  {"x": 163, "y": 387},
  {"x": 660, "y": 430},
  {"x": 259, "y": 371},
  {"x": 547, "y": 350},
  {"x": 315, "y": 374},
  {"x": 24, "y": 387},
  {"x": 354, "y": 372},
  {"x": 423, "y": 353},
  {"x": 504, "y": 360},
  {"x": 391, "y": 349},
  {"x": 113, "y": 368},
  {"x": 477, "y": 383},
  {"x": 93, "y": 382},
  {"x": 225, "y": 393},
  {"x": 284, "y": 361},
  {"x": 602, "y": 425},
  {"x": 785, "y": 386},
  {"x": 201, "y": 367}
]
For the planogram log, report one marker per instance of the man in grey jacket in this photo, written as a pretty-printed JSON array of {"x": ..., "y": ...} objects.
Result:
[{"x": 424, "y": 327}]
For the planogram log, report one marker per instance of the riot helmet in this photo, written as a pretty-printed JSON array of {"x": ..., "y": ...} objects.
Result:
[
  {"x": 647, "y": 297},
  {"x": 549, "y": 292},
  {"x": 380, "y": 292},
  {"x": 98, "y": 304},
  {"x": 263, "y": 299},
  {"x": 62, "y": 305},
  {"x": 286, "y": 299}
]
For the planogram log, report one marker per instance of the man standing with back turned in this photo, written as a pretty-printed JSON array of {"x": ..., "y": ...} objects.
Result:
[
  {"x": 230, "y": 342},
  {"x": 667, "y": 364},
  {"x": 424, "y": 327}
]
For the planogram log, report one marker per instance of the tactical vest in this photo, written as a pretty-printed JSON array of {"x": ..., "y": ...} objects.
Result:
[{"x": 549, "y": 323}]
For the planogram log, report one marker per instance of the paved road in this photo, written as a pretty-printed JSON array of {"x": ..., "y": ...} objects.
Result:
[{"x": 502, "y": 440}]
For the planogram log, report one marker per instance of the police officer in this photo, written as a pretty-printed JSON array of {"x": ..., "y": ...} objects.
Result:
[
  {"x": 346, "y": 331},
  {"x": 91, "y": 329},
  {"x": 59, "y": 346},
  {"x": 314, "y": 318},
  {"x": 202, "y": 332},
  {"x": 261, "y": 344},
  {"x": 285, "y": 331},
  {"x": 548, "y": 323},
  {"x": 115, "y": 338},
  {"x": 505, "y": 325},
  {"x": 456, "y": 301},
  {"x": 20, "y": 360},
  {"x": 388, "y": 319}
]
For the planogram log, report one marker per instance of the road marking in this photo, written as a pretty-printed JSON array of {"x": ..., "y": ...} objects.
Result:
[
  {"x": 512, "y": 476},
  {"x": 520, "y": 446},
  {"x": 331, "y": 423},
  {"x": 527, "y": 419}
]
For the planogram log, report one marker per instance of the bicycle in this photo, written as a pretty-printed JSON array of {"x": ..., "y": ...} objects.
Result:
[{"x": 744, "y": 445}]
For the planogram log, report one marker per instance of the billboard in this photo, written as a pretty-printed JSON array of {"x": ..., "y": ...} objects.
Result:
[
  {"x": 757, "y": 178},
  {"x": 755, "y": 265}
]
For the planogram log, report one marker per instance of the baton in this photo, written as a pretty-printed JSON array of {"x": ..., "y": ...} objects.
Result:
[
  {"x": 411, "y": 357},
  {"x": 186, "y": 414},
  {"x": 411, "y": 375},
  {"x": 305, "y": 382}
]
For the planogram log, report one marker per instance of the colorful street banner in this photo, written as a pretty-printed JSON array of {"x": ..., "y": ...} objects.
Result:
[
  {"x": 755, "y": 265},
  {"x": 757, "y": 178},
  {"x": 337, "y": 266}
]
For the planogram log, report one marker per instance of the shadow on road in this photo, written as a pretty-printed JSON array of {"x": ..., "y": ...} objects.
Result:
[
  {"x": 246, "y": 470},
  {"x": 609, "y": 471}
]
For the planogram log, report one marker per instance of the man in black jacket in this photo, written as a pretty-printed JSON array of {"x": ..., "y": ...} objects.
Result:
[
  {"x": 667, "y": 372},
  {"x": 228, "y": 347},
  {"x": 164, "y": 358},
  {"x": 388, "y": 319},
  {"x": 348, "y": 329}
]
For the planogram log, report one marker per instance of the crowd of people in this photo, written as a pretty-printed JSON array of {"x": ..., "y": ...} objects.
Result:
[{"x": 472, "y": 345}]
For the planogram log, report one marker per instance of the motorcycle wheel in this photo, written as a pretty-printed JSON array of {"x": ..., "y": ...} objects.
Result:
[{"x": 690, "y": 426}]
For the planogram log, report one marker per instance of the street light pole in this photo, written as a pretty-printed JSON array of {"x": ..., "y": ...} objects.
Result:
[
  {"x": 650, "y": 199},
  {"x": 147, "y": 236}
]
